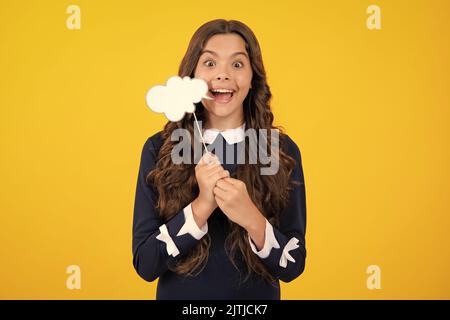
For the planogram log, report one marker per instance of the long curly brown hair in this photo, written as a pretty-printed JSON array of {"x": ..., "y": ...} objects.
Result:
[{"x": 176, "y": 184}]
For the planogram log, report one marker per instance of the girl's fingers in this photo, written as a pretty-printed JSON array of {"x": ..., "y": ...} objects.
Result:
[
  {"x": 210, "y": 168},
  {"x": 208, "y": 159},
  {"x": 219, "y": 193},
  {"x": 224, "y": 185},
  {"x": 213, "y": 170},
  {"x": 207, "y": 169},
  {"x": 219, "y": 200},
  {"x": 231, "y": 180},
  {"x": 220, "y": 174}
]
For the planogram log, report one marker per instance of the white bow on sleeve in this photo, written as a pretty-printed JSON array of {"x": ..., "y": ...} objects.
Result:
[
  {"x": 165, "y": 237},
  {"x": 285, "y": 256}
]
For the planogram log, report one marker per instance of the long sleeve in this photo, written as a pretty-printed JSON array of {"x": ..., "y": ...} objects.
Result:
[
  {"x": 284, "y": 250},
  {"x": 158, "y": 244}
]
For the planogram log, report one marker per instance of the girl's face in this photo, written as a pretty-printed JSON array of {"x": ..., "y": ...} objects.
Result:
[{"x": 225, "y": 65}]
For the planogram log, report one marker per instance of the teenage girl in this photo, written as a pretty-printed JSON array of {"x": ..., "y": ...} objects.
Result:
[{"x": 212, "y": 229}]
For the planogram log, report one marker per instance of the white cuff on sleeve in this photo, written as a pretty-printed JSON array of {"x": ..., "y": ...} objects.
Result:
[
  {"x": 190, "y": 226},
  {"x": 164, "y": 236},
  {"x": 269, "y": 242}
]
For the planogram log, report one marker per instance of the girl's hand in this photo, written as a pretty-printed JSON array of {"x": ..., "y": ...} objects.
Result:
[
  {"x": 207, "y": 172},
  {"x": 232, "y": 197}
]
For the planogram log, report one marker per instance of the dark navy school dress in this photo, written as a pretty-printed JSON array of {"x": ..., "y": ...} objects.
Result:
[{"x": 219, "y": 279}]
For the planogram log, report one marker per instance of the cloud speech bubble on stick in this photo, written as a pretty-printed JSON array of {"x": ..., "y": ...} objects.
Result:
[{"x": 177, "y": 97}]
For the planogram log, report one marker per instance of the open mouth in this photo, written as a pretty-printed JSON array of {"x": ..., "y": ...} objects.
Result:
[{"x": 222, "y": 95}]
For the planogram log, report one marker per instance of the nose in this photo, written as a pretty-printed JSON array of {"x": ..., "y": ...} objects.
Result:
[
  {"x": 223, "y": 74},
  {"x": 222, "y": 77}
]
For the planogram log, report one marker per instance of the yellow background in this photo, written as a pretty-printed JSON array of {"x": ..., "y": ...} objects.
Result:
[{"x": 368, "y": 109}]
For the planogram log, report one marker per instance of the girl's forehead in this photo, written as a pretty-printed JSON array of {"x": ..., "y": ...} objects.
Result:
[{"x": 225, "y": 43}]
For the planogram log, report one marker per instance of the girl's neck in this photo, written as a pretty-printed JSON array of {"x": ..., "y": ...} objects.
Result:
[{"x": 221, "y": 123}]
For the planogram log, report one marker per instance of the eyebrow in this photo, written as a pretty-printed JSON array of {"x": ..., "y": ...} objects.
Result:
[{"x": 215, "y": 53}]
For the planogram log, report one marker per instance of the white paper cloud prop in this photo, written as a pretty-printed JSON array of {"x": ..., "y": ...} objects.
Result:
[{"x": 177, "y": 97}]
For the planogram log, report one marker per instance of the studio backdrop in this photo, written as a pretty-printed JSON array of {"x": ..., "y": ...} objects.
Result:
[{"x": 362, "y": 87}]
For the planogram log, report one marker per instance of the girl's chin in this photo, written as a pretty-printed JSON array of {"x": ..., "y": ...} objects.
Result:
[{"x": 221, "y": 110}]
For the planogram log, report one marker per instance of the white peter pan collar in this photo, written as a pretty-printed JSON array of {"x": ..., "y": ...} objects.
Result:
[{"x": 231, "y": 136}]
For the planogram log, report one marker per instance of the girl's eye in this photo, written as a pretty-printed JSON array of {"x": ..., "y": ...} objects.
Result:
[
  {"x": 238, "y": 64},
  {"x": 209, "y": 63}
]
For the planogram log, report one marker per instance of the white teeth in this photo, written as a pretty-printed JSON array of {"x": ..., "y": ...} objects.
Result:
[{"x": 222, "y": 90}]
